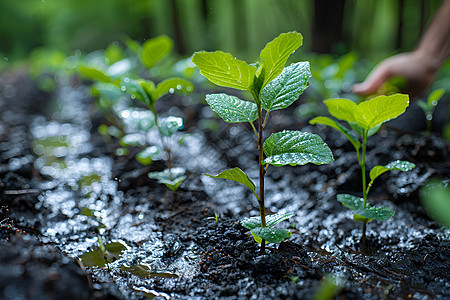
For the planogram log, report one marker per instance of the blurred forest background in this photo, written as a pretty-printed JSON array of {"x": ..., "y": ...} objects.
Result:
[{"x": 372, "y": 29}]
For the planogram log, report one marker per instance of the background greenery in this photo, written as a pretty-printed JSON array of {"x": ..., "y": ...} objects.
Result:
[{"x": 373, "y": 29}]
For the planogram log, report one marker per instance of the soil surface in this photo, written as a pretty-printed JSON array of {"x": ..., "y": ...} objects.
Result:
[{"x": 55, "y": 166}]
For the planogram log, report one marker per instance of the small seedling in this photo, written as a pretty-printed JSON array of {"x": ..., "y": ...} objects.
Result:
[
  {"x": 429, "y": 106},
  {"x": 103, "y": 253},
  {"x": 148, "y": 92},
  {"x": 365, "y": 119},
  {"x": 272, "y": 86}
]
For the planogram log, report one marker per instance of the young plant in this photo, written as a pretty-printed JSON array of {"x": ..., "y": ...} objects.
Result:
[
  {"x": 272, "y": 86},
  {"x": 110, "y": 81},
  {"x": 429, "y": 106},
  {"x": 365, "y": 119}
]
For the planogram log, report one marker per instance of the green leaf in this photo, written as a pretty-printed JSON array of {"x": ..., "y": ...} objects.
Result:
[
  {"x": 144, "y": 271},
  {"x": 171, "y": 178},
  {"x": 399, "y": 165},
  {"x": 286, "y": 87},
  {"x": 153, "y": 50},
  {"x": 146, "y": 156},
  {"x": 238, "y": 176},
  {"x": 87, "y": 212},
  {"x": 435, "y": 96},
  {"x": 135, "y": 88},
  {"x": 380, "y": 109},
  {"x": 271, "y": 220},
  {"x": 331, "y": 123},
  {"x": 271, "y": 235},
  {"x": 276, "y": 53},
  {"x": 173, "y": 85},
  {"x": 356, "y": 204},
  {"x": 341, "y": 109},
  {"x": 232, "y": 109},
  {"x": 296, "y": 148},
  {"x": 95, "y": 74},
  {"x": 223, "y": 69},
  {"x": 99, "y": 258},
  {"x": 170, "y": 125}
]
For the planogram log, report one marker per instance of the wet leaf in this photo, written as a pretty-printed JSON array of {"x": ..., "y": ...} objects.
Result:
[
  {"x": 271, "y": 235},
  {"x": 170, "y": 125},
  {"x": 171, "y": 178},
  {"x": 173, "y": 85},
  {"x": 223, "y": 69},
  {"x": 95, "y": 74},
  {"x": 87, "y": 212},
  {"x": 398, "y": 165},
  {"x": 276, "y": 53},
  {"x": 356, "y": 204},
  {"x": 435, "y": 96},
  {"x": 232, "y": 109},
  {"x": 134, "y": 87},
  {"x": 153, "y": 50},
  {"x": 342, "y": 109},
  {"x": 146, "y": 156},
  {"x": 380, "y": 109},
  {"x": 296, "y": 148},
  {"x": 271, "y": 220},
  {"x": 331, "y": 123},
  {"x": 286, "y": 87},
  {"x": 238, "y": 176},
  {"x": 99, "y": 258},
  {"x": 144, "y": 271}
]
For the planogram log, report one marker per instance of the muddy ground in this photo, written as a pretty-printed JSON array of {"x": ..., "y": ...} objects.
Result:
[{"x": 189, "y": 245}]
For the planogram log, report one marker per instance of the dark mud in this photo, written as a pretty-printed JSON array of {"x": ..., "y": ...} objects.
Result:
[{"x": 53, "y": 164}]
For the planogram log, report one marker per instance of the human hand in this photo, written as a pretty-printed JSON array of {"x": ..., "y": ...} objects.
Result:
[{"x": 417, "y": 69}]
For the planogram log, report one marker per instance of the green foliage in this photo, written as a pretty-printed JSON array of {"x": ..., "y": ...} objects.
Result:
[
  {"x": 172, "y": 178},
  {"x": 153, "y": 50},
  {"x": 225, "y": 70},
  {"x": 100, "y": 256},
  {"x": 296, "y": 148},
  {"x": 273, "y": 86},
  {"x": 397, "y": 165},
  {"x": 286, "y": 88},
  {"x": 117, "y": 78},
  {"x": 276, "y": 53},
  {"x": 232, "y": 109},
  {"x": 238, "y": 176},
  {"x": 429, "y": 106},
  {"x": 365, "y": 119}
]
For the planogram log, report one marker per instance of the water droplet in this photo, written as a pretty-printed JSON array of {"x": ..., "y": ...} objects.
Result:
[
  {"x": 123, "y": 88},
  {"x": 179, "y": 87},
  {"x": 126, "y": 80},
  {"x": 171, "y": 90},
  {"x": 429, "y": 117},
  {"x": 434, "y": 102},
  {"x": 5, "y": 58}
]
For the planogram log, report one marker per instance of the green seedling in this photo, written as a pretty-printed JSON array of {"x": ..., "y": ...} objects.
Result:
[
  {"x": 272, "y": 86},
  {"x": 365, "y": 119},
  {"x": 148, "y": 92},
  {"x": 429, "y": 106},
  {"x": 103, "y": 253}
]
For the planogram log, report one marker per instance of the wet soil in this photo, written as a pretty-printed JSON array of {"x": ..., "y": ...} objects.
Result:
[{"x": 54, "y": 164}]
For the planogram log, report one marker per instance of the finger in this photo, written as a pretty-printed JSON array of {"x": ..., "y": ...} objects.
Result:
[{"x": 373, "y": 82}]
